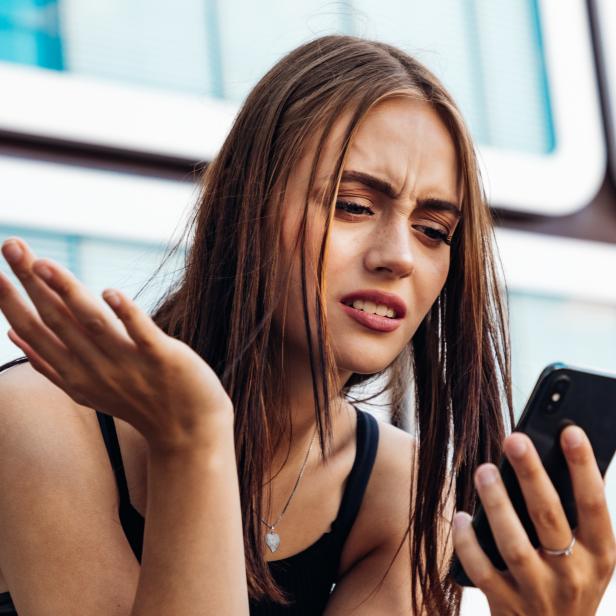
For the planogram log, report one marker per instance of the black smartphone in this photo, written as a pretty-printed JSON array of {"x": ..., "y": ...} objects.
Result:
[{"x": 562, "y": 396}]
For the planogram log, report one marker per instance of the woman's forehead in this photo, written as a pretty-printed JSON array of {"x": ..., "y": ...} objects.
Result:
[{"x": 401, "y": 140}]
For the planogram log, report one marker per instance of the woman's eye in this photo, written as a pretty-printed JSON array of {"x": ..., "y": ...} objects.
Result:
[
  {"x": 433, "y": 234},
  {"x": 353, "y": 208}
]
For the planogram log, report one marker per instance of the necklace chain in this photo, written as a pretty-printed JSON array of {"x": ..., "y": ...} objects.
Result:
[{"x": 299, "y": 478}]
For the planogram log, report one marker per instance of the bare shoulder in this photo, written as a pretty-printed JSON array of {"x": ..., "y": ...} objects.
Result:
[
  {"x": 48, "y": 445},
  {"x": 46, "y": 437},
  {"x": 389, "y": 489},
  {"x": 384, "y": 513},
  {"x": 61, "y": 541},
  {"x": 395, "y": 452},
  {"x": 22, "y": 383},
  {"x": 34, "y": 413}
]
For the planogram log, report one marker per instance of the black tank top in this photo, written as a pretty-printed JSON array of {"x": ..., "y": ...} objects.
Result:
[{"x": 307, "y": 577}]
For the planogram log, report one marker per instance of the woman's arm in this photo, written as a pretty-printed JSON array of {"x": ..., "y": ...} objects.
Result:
[
  {"x": 193, "y": 556},
  {"x": 193, "y": 560}
]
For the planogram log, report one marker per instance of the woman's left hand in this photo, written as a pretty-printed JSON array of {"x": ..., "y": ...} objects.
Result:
[{"x": 539, "y": 583}]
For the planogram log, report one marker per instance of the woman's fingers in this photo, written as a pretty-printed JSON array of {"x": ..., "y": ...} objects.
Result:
[
  {"x": 65, "y": 306},
  {"x": 139, "y": 326},
  {"x": 594, "y": 525},
  {"x": 83, "y": 308},
  {"x": 37, "y": 362},
  {"x": 541, "y": 580},
  {"x": 510, "y": 536},
  {"x": 542, "y": 500},
  {"x": 52, "y": 320},
  {"x": 474, "y": 560},
  {"x": 29, "y": 327},
  {"x": 71, "y": 314}
]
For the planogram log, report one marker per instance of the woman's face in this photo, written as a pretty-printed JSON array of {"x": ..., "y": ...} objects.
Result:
[{"x": 387, "y": 250}]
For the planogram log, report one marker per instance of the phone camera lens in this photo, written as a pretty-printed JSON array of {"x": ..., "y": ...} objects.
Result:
[
  {"x": 561, "y": 385},
  {"x": 556, "y": 394}
]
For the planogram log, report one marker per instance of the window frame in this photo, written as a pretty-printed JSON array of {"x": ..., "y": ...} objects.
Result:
[
  {"x": 557, "y": 266},
  {"x": 109, "y": 115},
  {"x": 605, "y": 13}
]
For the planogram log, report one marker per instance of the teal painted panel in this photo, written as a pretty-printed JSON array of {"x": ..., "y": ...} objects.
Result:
[{"x": 30, "y": 33}]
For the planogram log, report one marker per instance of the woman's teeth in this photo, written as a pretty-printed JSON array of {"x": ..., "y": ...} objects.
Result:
[{"x": 380, "y": 309}]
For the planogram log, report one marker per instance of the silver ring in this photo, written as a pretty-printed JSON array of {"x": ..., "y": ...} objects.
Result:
[{"x": 566, "y": 552}]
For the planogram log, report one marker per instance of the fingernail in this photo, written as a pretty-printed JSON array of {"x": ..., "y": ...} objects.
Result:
[
  {"x": 573, "y": 437},
  {"x": 516, "y": 447},
  {"x": 486, "y": 475},
  {"x": 12, "y": 251},
  {"x": 461, "y": 520},
  {"x": 43, "y": 271},
  {"x": 112, "y": 298}
]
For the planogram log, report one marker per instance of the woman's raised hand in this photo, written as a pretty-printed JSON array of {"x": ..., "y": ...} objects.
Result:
[
  {"x": 131, "y": 370},
  {"x": 537, "y": 582}
]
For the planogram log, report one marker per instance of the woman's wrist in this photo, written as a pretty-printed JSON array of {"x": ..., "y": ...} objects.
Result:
[{"x": 211, "y": 434}]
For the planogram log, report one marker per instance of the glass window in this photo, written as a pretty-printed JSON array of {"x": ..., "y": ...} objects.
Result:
[
  {"x": 489, "y": 54},
  {"x": 165, "y": 44},
  {"x": 253, "y": 37},
  {"x": 546, "y": 329}
]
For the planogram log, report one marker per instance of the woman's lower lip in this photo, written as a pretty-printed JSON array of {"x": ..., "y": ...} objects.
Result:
[{"x": 372, "y": 321}]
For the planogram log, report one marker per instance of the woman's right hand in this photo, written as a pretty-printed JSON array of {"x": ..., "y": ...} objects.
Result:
[{"x": 136, "y": 372}]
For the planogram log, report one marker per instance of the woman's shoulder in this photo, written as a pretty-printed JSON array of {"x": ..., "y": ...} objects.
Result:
[
  {"x": 384, "y": 513},
  {"x": 395, "y": 448},
  {"x": 29, "y": 401},
  {"x": 390, "y": 483},
  {"x": 42, "y": 430},
  {"x": 61, "y": 539}
]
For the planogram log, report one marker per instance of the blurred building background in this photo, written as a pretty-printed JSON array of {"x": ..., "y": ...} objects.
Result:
[{"x": 108, "y": 109}]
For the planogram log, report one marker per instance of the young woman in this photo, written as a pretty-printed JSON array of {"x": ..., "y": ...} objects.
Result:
[{"x": 341, "y": 234}]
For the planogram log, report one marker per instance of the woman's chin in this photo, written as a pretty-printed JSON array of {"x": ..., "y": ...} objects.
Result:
[{"x": 364, "y": 361}]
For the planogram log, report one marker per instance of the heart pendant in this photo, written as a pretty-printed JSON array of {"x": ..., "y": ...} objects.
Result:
[{"x": 273, "y": 540}]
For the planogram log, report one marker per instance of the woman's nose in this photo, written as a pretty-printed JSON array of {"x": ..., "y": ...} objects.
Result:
[{"x": 391, "y": 251}]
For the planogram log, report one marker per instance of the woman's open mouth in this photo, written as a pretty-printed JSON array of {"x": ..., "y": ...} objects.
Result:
[{"x": 377, "y": 317}]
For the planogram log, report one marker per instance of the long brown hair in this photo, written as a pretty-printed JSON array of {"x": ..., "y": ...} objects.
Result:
[{"x": 224, "y": 302}]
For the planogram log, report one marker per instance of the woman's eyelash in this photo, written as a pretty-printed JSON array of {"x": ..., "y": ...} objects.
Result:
[
  {"x": 348, "y": 207},
  {"x": 430, "y": 232},
  {"x": 433, "y": 234}
]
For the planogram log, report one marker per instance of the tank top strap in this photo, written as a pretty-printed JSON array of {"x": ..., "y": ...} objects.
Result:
[
  {"x": 112, "y": 445},
  {"x": 367, "y": 442},
  {"x": 13, "y": 362},
  {"x": 131, "y": 520}
]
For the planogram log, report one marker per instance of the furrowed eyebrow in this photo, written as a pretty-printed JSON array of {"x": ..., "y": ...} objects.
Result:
[
  {"x": 385, "y": 188},
  {"x": 438, "y": 205},
  {"x": 371, "y": 182}
]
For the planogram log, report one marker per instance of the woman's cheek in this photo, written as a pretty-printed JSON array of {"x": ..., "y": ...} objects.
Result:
[{"x": 436, "y": 270}]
